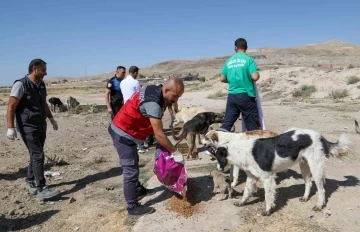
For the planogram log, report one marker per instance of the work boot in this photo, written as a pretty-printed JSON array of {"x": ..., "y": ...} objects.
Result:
[
  {"x": 140, "y": 210},
  {"x": 45, "y": 193},
  {"x": 31, "y": 187}
]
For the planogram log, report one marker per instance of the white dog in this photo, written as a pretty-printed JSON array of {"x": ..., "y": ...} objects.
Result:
[
  {"x": 262, "y": 158},
  {"x": 214, "y": 138}
]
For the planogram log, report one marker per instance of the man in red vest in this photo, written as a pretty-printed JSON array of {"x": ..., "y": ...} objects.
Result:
[{"x": 140, "y": 117}]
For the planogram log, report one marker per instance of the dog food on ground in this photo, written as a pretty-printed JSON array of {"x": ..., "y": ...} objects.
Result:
[{"x": 187, "y": 205}]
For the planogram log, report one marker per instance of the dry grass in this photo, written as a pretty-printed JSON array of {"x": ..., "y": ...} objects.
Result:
[
  {"x": 220, "y": 94},
  {"x": 338, "y": 94},
  {"x": 304, "y": 91},
  {"x": 352, "y": 80}
]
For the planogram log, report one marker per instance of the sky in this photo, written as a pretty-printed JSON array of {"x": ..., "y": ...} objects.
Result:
[{"x": 72, "y": 36}]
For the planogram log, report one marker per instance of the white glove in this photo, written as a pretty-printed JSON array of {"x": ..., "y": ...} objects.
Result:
[
  {"x": 54, "y": 123},
  {"x": 12, "y": 134},
  {"x": 178, "y": 156}
]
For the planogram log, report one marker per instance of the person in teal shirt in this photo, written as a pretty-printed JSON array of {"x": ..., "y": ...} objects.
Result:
[{"x": 240, "y": 72}]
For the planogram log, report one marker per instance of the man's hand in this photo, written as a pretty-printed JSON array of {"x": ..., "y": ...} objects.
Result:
[
  {"x": 178, "y": 157},
  {"x": 109, "y": 109},
  {"x": 12, "y": 134},
  {"x": 54, "y": 124}
]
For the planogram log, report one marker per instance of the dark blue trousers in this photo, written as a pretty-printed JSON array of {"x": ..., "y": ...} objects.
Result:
[
  {"x": 129, "y": 160},
  {"x": 241, "y": 103},
  {"x": 35, "y": 144}
]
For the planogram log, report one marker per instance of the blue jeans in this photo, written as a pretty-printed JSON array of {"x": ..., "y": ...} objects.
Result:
[{"x": 241, "y": 103}]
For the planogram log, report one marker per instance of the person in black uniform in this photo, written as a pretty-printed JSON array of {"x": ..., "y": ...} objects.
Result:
[{"x": 113, "y": 96}]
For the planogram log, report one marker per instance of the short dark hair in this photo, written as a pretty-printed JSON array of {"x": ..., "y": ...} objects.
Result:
[
  {"x": 241, "y": 43},
  {"x": 35, "y": 63},
  {"x": 133, "y": 69},
  {"x": 120, "y": 67}
]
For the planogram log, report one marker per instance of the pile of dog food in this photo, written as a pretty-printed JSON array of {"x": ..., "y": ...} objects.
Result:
[{"x": 186, "y": 205}]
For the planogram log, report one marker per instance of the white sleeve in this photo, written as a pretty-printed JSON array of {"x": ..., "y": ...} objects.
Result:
[{"x": 137, "y": 86}]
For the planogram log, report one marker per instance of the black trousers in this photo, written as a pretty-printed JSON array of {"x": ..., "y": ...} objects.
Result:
[
  {"x": 115, "y": 109},
  {"x": 241, "y": 103},
  {"x": 35, "y": 144}
]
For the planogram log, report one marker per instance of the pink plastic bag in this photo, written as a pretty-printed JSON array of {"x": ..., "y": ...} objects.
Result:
[{"x": 170, "y": 173}]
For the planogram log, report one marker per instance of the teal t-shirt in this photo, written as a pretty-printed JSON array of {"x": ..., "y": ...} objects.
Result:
[{"x": 238, "y": 70}]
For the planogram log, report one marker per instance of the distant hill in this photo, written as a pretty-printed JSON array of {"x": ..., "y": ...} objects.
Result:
[{"x": 334, "y": 52}]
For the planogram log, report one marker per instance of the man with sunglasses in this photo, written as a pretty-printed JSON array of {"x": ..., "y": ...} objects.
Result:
[
  {"x": 27, "y": 104},
  {"x": 113, "y": 95}
]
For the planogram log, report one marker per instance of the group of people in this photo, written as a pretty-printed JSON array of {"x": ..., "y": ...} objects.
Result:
[{"x": 136, "y": 114}]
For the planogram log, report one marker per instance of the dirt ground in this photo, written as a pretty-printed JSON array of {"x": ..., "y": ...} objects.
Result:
[{"x": 92, "y": 191}]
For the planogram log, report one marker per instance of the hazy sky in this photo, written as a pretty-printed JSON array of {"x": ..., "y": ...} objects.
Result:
[{"x": 100, "y": 35}]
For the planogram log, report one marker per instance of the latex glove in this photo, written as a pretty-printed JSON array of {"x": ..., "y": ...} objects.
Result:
[
  {"x": 54, "y": 123},
  {"x": 178, "y": 157},
  {"x": 12, "y": 134}
]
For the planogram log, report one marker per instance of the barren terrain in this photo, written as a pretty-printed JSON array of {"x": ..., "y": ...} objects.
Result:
[{"x": 318, "y": 98}]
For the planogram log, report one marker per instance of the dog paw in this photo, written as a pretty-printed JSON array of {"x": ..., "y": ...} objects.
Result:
[
  {"x": 221, "y": 198},
  {"x": 303, "y": 199},
  {"x": 266, "y": 213},
  {"x": 239, "y": 204},
  {"x": 318, "y": 208}
]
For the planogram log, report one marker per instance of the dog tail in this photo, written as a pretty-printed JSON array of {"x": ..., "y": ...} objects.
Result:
[
  {"x": 181, "y": 136},
  {"x": 341, "y": 148},
  {"x": 357, "y": 128}
]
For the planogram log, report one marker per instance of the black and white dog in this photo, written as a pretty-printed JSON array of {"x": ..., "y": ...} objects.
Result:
[{"x": 262, "y": 158}]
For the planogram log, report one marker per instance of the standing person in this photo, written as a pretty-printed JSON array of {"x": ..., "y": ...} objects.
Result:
[
  {"x": 140, "y": 117},
  {"x": 113, "y": 95},
  {"x": 129, "y": 86},
  {"x": 27, "y": 103},
  {"x": 241, "y": 72}
]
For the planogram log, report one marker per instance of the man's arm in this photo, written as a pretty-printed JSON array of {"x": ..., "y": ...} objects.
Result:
[
  {"x": 48, "y": 112},
  {"x": 107, "y": 101},
  {"x": 160, "y": 136},
  {"x": 10, "y": 115},
  {"x": 253, "y": 70},
  {"x": 223, "y": 79},
  {"x": 255, "y": 76}
]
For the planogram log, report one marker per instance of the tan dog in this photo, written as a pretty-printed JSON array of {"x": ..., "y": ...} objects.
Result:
[
  {"x": 357, "y": 129},
  {"x": 214, "y": 138},
  {"x": 185, "y": 114},
  {"x": 221, "y": 183}
]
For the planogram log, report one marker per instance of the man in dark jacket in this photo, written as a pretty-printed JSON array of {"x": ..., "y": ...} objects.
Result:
[
  {"x": 27, "y": 103},
  {"x": 113, "y": 96}
]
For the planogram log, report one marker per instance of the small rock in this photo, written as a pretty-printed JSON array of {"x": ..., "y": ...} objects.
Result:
[
  {"x": 42, "y": 202},
  {"x": 99, "y": 215},
  {"x": 51, "y": 203},
  {"x": 76, "y": 228},
  {"x": 311, "y": 216},
  {"x": 110, "y": 188},
  {"x": 72, "y": 200},
  {"x": 12, "y": 212},
  {"x": 17, "y": 202}
]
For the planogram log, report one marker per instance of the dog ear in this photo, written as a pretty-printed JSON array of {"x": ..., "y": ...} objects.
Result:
[
  {"x": 221, "y": 156},
  {"x": 213, "y": 136}
]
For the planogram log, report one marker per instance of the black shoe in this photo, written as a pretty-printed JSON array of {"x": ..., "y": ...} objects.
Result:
[
  {"x": 140, "y": 210},
  {"x": 144, "y": 192}
]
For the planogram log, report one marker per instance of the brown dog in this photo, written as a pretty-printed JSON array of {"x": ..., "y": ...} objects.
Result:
[
  {"x": 221, "y": 183},
  {"x": 196, "y": 126}
]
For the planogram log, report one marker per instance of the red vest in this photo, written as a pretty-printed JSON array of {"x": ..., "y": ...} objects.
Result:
[{"x": 130, "y": 120}]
